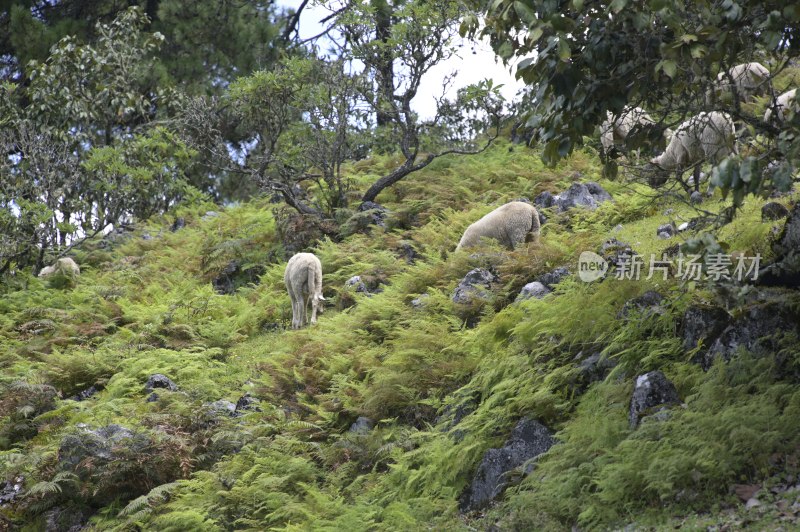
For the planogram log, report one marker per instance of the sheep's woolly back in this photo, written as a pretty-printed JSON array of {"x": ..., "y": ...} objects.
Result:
[
  {"x": 705, "y": 137},
  {"x": 303, "y": 275},
  {"x": 64, "y": 266},
  {"x": 616, "y": 129},
  {"x": 781, "y": 104},
  {"x": 748, "y": 79},
  {"x": 509, "y": 224}
]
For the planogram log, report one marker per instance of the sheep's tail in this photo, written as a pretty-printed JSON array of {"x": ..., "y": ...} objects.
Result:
[
  {"x": 536, "y": 227},
  {"x": 314, "y": 281}
]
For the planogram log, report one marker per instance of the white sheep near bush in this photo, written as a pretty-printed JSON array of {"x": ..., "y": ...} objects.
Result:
[
  {"x": 781, "y": 105},
  {"x": 707, "y": 137},
  {"x": 65, "y": 266},
  {"x": 615, "y": 130},
  {"x": 510, "y": 224},
  {"x": 747, "y": 80},
  {"x": 303, "y": 278}
]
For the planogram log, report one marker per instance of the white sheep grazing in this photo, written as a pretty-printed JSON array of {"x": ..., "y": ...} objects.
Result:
[
  {"x": 749, "y": 79},
  {"x": 705, "y": 137},
  {"x": 303, "y": 278},
  {"x": 615, "y": 130},
  {"x": 510, "y": 224},
  {"x": 781, "y": 105},
  {"x": 65, "y": 266}
]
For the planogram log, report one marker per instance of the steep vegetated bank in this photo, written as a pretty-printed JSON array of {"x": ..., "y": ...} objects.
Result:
[{"x": 162, "y": 389}]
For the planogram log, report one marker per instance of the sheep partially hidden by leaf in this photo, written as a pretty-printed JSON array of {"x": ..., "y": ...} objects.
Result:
[
  {"x": 707, "y": 137},
  {"x": 303, "y": 278},
  {"x": 782, "y": 105},
  {"x": 510, "y": 224},
  {"x": 64, "y": 266},
  {"x": 616, "y": 129},
  {"x": 745, "y": 80}
]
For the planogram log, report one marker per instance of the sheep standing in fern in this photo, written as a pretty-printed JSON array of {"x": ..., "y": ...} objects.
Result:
[{"x": 303, "y": 278}]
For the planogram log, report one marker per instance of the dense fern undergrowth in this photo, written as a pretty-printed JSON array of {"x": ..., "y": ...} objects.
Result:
[{"x": 145, "y": 305}]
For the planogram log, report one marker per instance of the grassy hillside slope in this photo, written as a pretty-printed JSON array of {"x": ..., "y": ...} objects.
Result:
[{"x": 144, "y": 305}]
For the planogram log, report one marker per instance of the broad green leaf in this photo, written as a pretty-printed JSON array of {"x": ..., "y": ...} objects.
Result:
[
  {"x": 618, "y": 5},
  {"x": 563, "y": 50},
  {"x": 669, "y": 67}
]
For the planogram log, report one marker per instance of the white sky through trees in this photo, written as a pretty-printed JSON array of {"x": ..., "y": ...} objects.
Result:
[{"x": 475, "y": 61}]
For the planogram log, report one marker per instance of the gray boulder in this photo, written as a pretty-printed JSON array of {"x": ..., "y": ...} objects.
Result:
[
  {"x": 233, "y": 276},
  {"x": 85, "y": 394},
  {"x": 222, "y": 408},
  {"x": 464, "y": 404},
  {"x": 64, "y": 519},
  {"x": 652, "y": 393},
  {"x": 178, "y": 224},
  {"x": 377, "y": 212},
  {"x": 702, "y": 324},
  {"x": 408, "y": 252},
  {"x": 615, "y": 251},
  {"x": 594, "y": 368},
  {"x": 647, "y": 304},
  {"x": 544, "y": 200},
  {"x": 355, "y": 283},
  {"x": 785, "y": 271},
  {"x": 95, "y": 455},
  {"x": 550, "y": 279},
  {"x": 772, "y": 211},
  {"x": 475, "y": 284},
  {"x": 534, "y": 289},
  {"x": 528, "y": 440},
  {"x": 599, "y": 193},
  {"x": 588, "y": 195},
  {"x": 224, "y": 282},
  {"x": 247, "y": 403},
  {"x": 696, "y": 198},
  {"x": 100, "y": 446},
  {"x": 758, "y": 330},
  {"x": 120, "y": 234},
  {"x": 10, "y": 490},
  {"x": 209, "y": 215},
  {"x": 669, "y": 229},
  {"x": 362, "y": 425},
  {"x": 419, "y": 302},
  {"x": 157, "y": 381},
  {"x": 790, "y": 237}
]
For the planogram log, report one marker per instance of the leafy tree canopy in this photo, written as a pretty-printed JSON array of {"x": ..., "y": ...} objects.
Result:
[
  {"x": 207, "y": 43},
  {"x": 584, "y": 58},
  {"x": 83, "y": 148}
]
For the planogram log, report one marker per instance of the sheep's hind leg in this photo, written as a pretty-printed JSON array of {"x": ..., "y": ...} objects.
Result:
[
  {"x": 684, "y": 184},
  {"x": 295, "y": 314},
  {"x": 303, "y": 303},
  {"x": 697, "y": 178}
]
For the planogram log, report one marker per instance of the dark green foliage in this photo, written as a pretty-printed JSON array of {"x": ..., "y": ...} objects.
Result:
[
  {"x": 208, "y": 43},
  {"x": 81, "y": 154},
  {"x": 22, "y": 403}
]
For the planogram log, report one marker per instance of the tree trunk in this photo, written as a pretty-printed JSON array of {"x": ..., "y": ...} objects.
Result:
[
  {"x": 151, "y": 9},
  {"x": 389, "y": 180},
  {"x": 385, "y": 67}
]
